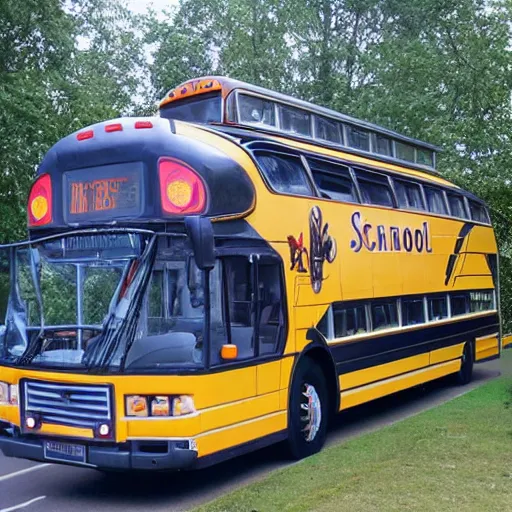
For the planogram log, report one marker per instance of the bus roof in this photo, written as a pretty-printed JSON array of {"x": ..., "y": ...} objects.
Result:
[{"x": 318, "y": 123}]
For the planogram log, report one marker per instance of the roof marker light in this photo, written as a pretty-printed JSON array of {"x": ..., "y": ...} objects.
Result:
[
  {"x": 140, "y": 125},
  {"x": 115, "y": 127},
  {"x": 88, "y": 134}
]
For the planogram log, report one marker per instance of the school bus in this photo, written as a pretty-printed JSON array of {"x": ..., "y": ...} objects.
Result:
[{"x": 231, "y": 273}]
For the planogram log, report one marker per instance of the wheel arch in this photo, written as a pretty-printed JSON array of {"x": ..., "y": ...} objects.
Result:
[{"x": 318, "y": 351}]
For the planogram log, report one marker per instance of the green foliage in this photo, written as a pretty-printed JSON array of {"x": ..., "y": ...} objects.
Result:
[{"x": 436, "y": 70}]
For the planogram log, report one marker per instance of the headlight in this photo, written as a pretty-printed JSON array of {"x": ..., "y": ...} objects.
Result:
[
  {"x": 183, "y": 405},
  {"x": 13, "y": 394},
  {"x": 156, "y": 406},
  {"x": 136, "y": 406}
]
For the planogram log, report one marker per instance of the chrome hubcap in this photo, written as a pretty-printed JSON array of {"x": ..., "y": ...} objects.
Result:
[{"x": 311, "y": 412}]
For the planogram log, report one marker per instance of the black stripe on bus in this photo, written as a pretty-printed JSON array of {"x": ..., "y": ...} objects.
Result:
[{"x": 366, "y": 353}]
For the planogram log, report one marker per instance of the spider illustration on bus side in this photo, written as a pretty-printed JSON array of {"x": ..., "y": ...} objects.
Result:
[
  {"x": 297, "y": 253},
  {"x": 322, "y": 248}
]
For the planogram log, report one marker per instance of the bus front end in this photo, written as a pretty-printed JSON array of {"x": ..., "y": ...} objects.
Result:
[{"x": 111, "y": 311}]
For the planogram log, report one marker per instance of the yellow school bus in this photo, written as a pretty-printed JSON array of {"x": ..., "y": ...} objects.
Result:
[{"x": 231, "y": 273}]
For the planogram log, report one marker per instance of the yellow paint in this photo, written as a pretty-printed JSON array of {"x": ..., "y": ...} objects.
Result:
[
  {"x": 268, "y": 377},
  {"x": 383, "y": 371},
  {"x": 286, "y": 371},
  {"x": 223, "y": 438},
  {"x": 241, "y": 405},
  {"x": 507, "y": 340},
  {"x": 387, "y": 387},
  {"x": 10, "y": 414},
  {"x": 486, "y": 347},
  {"x": 49, "y": 429},
  {"x": 446, "y": 354}
]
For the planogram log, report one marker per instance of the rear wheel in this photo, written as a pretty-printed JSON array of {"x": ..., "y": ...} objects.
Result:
[
  {"x": 307, "y": 410},
  {"x": 465, "y": 374}
]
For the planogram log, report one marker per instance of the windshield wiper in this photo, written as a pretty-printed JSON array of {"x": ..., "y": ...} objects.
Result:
[{"x": 122, "y": 322}]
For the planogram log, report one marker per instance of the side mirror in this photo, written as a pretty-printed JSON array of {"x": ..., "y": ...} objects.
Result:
[
  {"x": 200, "y": 232},
  {"x": 229, "y": 352}
]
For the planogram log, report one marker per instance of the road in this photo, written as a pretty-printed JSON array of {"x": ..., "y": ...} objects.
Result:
[{"x": 36, "y": 487}]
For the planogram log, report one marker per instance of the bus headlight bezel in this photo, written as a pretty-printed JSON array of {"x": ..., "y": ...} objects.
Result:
[
  {"x": 8, "y": 393},
  {"x": 159, "y": 406}
]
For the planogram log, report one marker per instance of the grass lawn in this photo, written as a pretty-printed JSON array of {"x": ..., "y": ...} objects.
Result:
[{"x": 455, "y": 457}]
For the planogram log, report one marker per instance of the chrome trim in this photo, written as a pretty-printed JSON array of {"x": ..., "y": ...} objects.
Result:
[{"x": 68, "y": 404}]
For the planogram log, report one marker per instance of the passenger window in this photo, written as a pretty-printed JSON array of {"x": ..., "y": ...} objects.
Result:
[
  {"x": 326, "y": 129},
  {"x": 409, "y": 195},
  {"x": 334, "y": 181},
  {"x": 435, "y": 200},
  {"x": 285, "y": 174},
  {"x": 457, "y": 207},
  {"x": 404, "y": 151},
  {"x": 384, "y": 315},
  {"x": 481, "y": 301},
  {"x": 437, "y": 308},
  {"x": 413, "y": 311},
  {"x": 271, "y": 313},
  {"x": 349, "y": 320},
  {"x": 294, "y": 120},
  {"x": 375, "y": 189},
  {"x": 255, "y": 110},
  {"x": 478, "y": 212},
  {"x": 459, "y": 304},
  {"x": 425, "y": 157},
  {"x": 382, "y": 145},
  {"x": 244, "y": 310},
  {"x": 239, "y": 307},
  {"x": 357, "y": 138}
]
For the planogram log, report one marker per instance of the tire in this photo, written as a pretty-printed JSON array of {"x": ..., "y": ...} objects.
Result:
[
  {"x": 465, "y": 374},
  {"x": 308, "y": 410}
]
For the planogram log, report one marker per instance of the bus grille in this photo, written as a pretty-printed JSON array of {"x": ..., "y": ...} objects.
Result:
[{"x": 65, "y": 404}]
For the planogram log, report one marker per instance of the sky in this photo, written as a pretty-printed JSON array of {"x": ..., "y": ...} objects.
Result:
[{"x": 141, "y": 6}]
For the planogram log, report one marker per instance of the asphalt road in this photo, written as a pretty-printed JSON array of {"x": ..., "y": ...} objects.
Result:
[{"x": 36, "y": 487}]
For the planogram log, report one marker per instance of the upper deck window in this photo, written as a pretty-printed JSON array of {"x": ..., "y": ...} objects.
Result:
[
  {"x": 405, "y": 151},
  {"x": 478, "y": 212},
  {"x": 294, "y": 120},
  {"x": 326, "y": 129},
  {"x": 425, "y": 157},
  {"x": 358, "y": 138},
  {"x": 409, "y": 195},
  {"x": 457, "y": 207},
  {"x": 435, "y": 200},
  {"x": 285, "y": 173},
  {"x": 334, "y": 181},
  {"x": 375, "y": 188},
  {"x": 205, "y": 108},
  {"x": 382, "y": 145},
  {"x": 255, "y": 110}
]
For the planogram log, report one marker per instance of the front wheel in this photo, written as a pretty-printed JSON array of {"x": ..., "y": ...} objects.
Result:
[
  {"x": 465, "y": 374},
  {"x": 307, "y": 410}
]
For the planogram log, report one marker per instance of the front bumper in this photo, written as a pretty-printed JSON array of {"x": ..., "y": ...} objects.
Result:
[{"x": 133, "y": 455}]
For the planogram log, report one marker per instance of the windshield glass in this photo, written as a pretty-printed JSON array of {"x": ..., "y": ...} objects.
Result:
[
  {"x": 116, "y": 302},
  {"x": 172, "y": 321},
  {"x": 63, "y": 291},
  {"x": 205, "y": 108}
]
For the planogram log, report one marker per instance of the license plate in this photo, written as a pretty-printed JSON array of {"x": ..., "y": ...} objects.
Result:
[{"x": 64, "y": 452}]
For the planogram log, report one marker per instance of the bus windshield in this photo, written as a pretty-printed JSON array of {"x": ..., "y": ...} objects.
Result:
[
  {"x": 203, "y": 109},
  {"x": 114, "y": 302}
]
